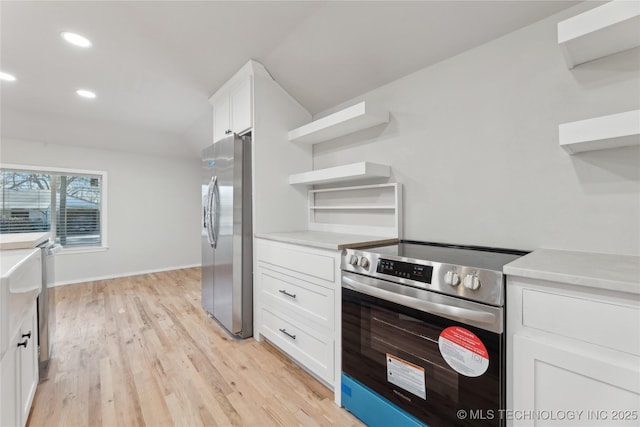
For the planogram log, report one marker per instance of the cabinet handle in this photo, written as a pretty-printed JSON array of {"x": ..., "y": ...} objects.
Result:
[
  {"x": 284, "y": 331},
  {"x": 27, "y": 335},
  {"x": 283, "y": 291},
  {"x": 23, "y": 344},
  {"x": 227, "y": 132}
]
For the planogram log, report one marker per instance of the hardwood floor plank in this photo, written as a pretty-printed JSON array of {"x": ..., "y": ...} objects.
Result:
[
  {"x": 140, "y": 351},
  {"x": 107, "y": 404}
]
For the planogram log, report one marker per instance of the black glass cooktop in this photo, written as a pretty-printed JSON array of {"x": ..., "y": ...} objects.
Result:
[{"x": 470, "y": 256}]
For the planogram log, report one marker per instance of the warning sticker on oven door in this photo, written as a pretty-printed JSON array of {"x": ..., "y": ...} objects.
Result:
[
  {"x": 406, "y": 375},
  {"x": 463, "y": 351}
]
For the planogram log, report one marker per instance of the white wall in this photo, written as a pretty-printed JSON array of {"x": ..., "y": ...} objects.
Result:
[
  {"x": 474, "y": 140},
  {"x": 153, "y": 209},
  {"x": 278, "y": 206}
]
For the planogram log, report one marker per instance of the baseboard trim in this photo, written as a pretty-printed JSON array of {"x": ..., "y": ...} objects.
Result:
[{"x": 117, "y": 276}]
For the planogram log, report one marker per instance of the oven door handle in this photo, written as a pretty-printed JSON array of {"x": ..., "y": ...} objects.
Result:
[{"x": 483, "y": 319}]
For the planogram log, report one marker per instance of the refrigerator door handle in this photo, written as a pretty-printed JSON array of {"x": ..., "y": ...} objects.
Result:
[
  {"x": 208, "y": 223},
  {"x": 216, "y": 213}
]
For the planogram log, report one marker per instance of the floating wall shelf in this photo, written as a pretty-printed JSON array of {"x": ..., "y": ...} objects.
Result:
[
  {"x": 351, "y": 172},
  {"x": 615, "y": 130},
  {"x": 599, "y": 32},
  {"x": 352, "y": 119}
]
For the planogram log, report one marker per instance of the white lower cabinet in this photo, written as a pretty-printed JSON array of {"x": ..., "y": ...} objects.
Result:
[
  {"x": 573, "y": 355},
  {"x": 19, "y": 373},
  {"x": 9, "y": 392},
  {"x": 297, "y": 302}
]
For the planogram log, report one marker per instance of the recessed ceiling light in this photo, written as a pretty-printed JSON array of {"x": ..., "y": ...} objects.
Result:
[
  {"x": 86, "y": 93},
  {"x": 76, "y": 39},
  {"x": 7, "y": 77}
]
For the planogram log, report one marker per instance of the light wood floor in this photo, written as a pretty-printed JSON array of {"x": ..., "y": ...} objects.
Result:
[{"x": 140, "y": 351}]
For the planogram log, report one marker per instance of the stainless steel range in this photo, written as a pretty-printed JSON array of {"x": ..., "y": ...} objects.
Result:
[{"x": 423, "y": 334}]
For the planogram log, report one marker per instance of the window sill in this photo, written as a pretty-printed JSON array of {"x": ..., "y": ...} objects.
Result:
[{"x": 83, "y": 250}]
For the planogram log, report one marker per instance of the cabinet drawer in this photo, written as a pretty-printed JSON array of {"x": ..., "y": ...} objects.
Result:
[
  {"x": 602, "y": 323},
  {"x": 313, "y": 350},
  {"x": 309, "y": 263},
  {"x": 298, "y": 297}
]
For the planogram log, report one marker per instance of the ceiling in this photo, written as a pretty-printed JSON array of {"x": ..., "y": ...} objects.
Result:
[{"x": 154, "y": 64}]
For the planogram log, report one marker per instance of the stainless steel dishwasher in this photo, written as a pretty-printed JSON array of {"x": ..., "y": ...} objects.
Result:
[{"x": 46, "y": 308}]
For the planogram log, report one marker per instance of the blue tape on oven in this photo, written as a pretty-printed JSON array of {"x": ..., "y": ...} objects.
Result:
[
  {"x": 373, "y": 409},
  {"x": 346, "y": 390}
]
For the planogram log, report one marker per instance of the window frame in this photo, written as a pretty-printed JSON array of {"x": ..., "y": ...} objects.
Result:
[{"x": 103, "y": 200}]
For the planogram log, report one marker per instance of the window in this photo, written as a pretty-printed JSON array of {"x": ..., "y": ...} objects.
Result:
[{"x": 67, "y": 203}]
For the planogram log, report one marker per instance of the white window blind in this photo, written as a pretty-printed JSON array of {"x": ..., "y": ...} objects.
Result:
[{"x": 69, "y": 205}]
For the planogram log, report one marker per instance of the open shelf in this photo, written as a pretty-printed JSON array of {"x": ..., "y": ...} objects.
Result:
[
  {"x": 350, "y": 172},
  {"x": 599, "y": 32},
  {"x": 612, "y": 131},
  {"x": 373, "y": 210},
  {"x": 343, "y": 122}
]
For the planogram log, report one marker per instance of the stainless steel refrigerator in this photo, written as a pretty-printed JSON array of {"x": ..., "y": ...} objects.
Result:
[{"x": 227, "y": 252}]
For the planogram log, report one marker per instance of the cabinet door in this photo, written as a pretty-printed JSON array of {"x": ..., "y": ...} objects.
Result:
[
  {"x": 28, "y": 361},
  {"x": 221, "y": 118},
  {"x": 552, "y": 380},
  {"x": 9, "y": 386},
  {"x": 241, "y": 107}
]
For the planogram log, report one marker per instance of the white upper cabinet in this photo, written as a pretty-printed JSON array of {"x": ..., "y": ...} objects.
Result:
[
  {"x": 233, "y": 109},
  {"x": 251, "y": 101},
  {"x": 221, "y": 118},
  {"x": 241, "y": 107},
  {"x": 599, "y": 32}
]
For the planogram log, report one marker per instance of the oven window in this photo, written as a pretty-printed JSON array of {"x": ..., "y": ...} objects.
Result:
[
  {"x": 382, "y": 339},
  {"x": 395, "y": 334}
]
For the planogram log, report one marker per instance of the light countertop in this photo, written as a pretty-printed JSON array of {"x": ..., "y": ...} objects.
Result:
[
  {"x": 12, "y": 259},
  {"x": 22, "y": 240},
  {"x": 327, "y": 240},
  {"x": 605, "y": 271}
]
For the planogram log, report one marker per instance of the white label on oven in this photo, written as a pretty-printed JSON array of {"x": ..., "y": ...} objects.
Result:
[
  {"x": 406, "y": 375},
  {"x": 463, "y": 351}
]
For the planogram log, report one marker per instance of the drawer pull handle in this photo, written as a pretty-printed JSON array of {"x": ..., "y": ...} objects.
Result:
[
  {"x": 284, "y": 331},
  {"x": 23, "y": 344},
  {"x": 282, "y": 291},
  {"x": 27, "y": 335}
]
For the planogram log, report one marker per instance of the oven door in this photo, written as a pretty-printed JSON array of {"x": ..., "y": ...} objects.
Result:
[{"x": 440, "y": 359}]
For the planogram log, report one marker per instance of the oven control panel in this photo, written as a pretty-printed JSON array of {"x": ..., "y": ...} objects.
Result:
[
  {"x": 475, "y": 284},
  {"x": 405, "y": 270}
]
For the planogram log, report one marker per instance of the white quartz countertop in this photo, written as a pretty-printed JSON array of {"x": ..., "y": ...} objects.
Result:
[
  {"x": 327, "y": 240},
  {"x": 22, "y": 240},
  {"x": 605, "y": 271}
]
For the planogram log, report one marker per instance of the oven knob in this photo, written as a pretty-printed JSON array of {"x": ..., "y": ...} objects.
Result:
[
  {"x": 471, "y": 282},
  {"x": 353, "y": 260},
  {"x": 364, "y": 262},
  {"x": 452, "y": 278}
]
